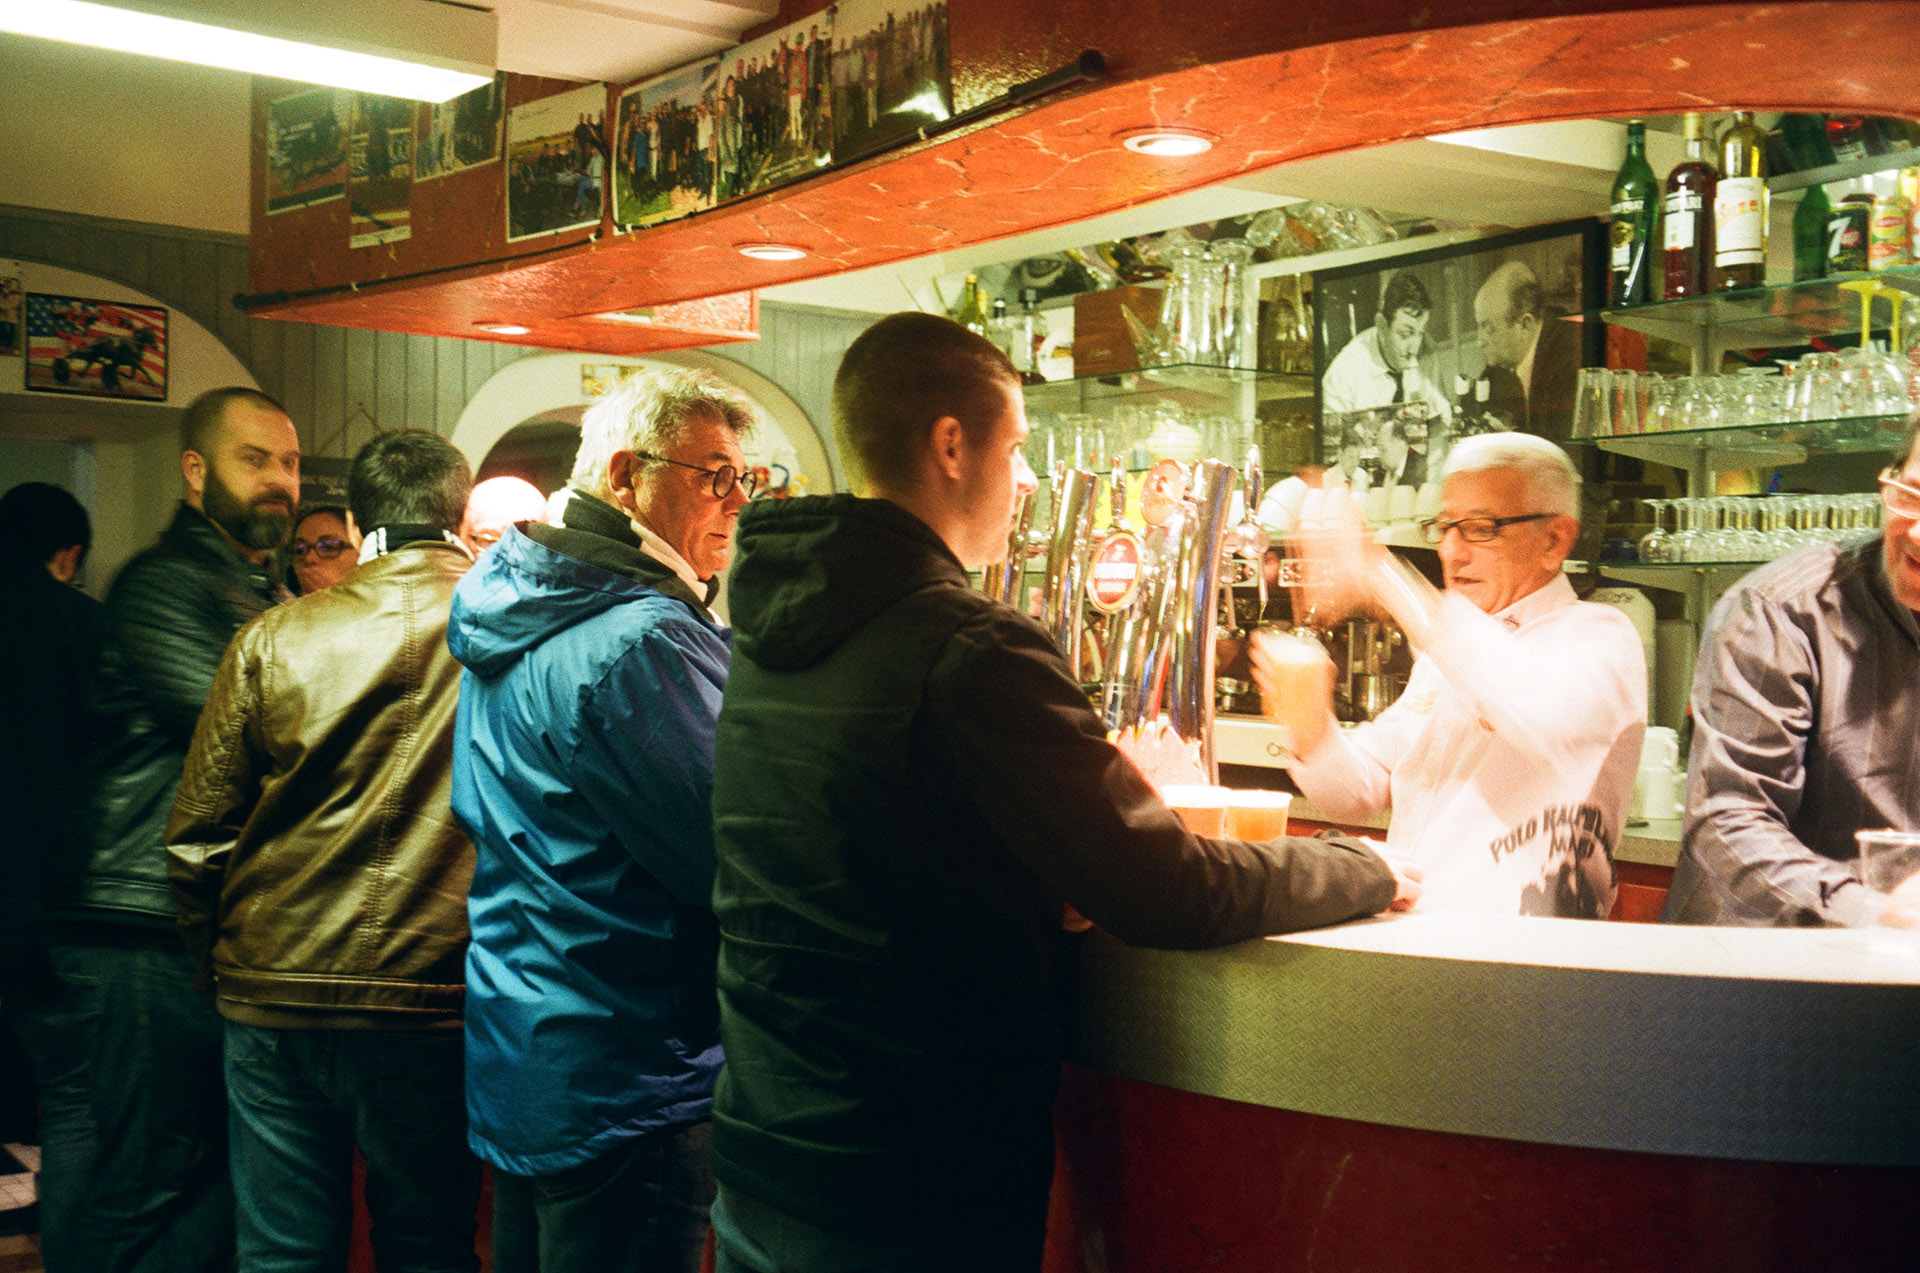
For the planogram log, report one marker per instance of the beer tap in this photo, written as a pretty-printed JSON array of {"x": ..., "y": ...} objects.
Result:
[
  {"x": 1004, "y": 579},
  {"x": 1067, "y": 561}
]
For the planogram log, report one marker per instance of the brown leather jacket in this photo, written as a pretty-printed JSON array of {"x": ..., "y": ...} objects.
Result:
[{"x": 312, "y": 848}]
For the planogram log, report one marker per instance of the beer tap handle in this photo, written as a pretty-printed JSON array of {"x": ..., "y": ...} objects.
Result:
[{"x": 1118, "y": 519}]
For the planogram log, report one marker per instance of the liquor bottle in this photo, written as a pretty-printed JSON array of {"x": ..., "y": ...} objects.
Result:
[
  {"x": 1847, "y": 228},
  {"x": 1636, "y": 207},
  {"x": 1740, "y": 206},
  {"x": 1030, "y": 334},
  {"x": 1810, "y": 235},
  {"x": 1688, "y": 211},
  {"x": 972, "y": 310},
  {"x": 1851, "y": 136}
]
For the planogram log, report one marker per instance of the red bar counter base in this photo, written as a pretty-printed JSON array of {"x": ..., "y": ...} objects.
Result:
[{"x": 1153, "y": 1180}]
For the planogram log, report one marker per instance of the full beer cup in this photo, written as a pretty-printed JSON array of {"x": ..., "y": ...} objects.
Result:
[
  {"x": 1203, "y": 809},
  {"x": 1257, "y": 815}
]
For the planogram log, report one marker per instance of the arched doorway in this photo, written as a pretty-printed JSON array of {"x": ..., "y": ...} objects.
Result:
[{"x": 525, "y": 420}]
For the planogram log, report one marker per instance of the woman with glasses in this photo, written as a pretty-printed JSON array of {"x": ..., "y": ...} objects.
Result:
[{"x": 324, "y": 549}]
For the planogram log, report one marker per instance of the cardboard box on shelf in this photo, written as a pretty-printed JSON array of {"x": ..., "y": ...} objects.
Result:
[{"x": 1104, "y": 339}]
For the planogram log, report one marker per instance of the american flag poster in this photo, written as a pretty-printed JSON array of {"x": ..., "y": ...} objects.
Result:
[{"x": 104, "y": 349}]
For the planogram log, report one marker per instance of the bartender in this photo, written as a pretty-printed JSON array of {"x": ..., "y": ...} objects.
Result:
[
  {"x": 1509, "y": 761},
  {"x": 1805, "y": 699}
]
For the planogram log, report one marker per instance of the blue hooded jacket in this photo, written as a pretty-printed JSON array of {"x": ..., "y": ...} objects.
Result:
[{"x": 583, "y": 769}]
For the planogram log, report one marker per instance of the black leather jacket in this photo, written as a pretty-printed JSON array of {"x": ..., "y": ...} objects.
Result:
[{"x": 170, "y": 614}]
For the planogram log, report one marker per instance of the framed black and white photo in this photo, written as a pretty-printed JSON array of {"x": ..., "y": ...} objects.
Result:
[{"x": 1419, "y": 349}]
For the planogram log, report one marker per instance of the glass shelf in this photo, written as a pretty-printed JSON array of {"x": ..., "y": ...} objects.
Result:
[
  {"x": 1760, "y": 317},
  {"x": 1714, "y": 577},
  {"x": 1181, "y": 384},
  {"x": 1759, "y": 445}
]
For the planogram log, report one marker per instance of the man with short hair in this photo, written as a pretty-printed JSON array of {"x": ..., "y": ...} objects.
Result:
[
  {"x": 1805, "y": 699},
  {"x": 583, "y": 765},
  {"x": 321, "y": 881},
  {"x": 1509, "y": 761},
  {"x": 1538, "y": 354},
  {"x": 160, "y": 1198},
  {"x": 48, "y": 642},
  {"x": 909, "y": 788},
  {"x": 1380, "y": 367}
]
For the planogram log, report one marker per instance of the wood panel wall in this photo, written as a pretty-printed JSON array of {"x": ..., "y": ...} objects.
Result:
[{"x": 341, "y": 384}]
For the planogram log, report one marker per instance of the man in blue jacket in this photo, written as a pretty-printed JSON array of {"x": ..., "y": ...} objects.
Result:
[{"x": 583, "y": 768}]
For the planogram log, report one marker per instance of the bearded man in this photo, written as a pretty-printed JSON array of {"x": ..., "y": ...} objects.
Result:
[{"x": 147, "y": 1044}]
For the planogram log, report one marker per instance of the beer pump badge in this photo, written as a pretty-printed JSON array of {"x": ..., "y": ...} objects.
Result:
[{"x": 1115, "y": 576}]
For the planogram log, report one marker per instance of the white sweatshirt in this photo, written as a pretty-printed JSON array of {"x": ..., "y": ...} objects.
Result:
[{"x": 1508, "y": 762}]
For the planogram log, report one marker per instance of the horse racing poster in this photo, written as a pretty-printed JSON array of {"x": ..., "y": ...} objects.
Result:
[
  {"x": 307, "y": 148},
  {"x": 103, "y": 349}
]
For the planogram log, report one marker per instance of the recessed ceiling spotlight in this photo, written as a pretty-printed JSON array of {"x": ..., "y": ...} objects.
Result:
[
  {"x": 1164, "y": 142},
  {"x": 770, "y": 251},
  {"x": 504, "y": 329}
]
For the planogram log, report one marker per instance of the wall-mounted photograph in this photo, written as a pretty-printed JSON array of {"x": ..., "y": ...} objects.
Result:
[
  {"x": 103, "y": 349},
  {"x": 890, "y": 74},
  {"x": 463, "y": 133},
  {"x": 666, "y": 148},
  {"x": 307, "y": 148},
  {"x": 769, "y": 101},
  {"x": 380, "y": 171},
  {"x": 1414, "y": 352},
  {"x": 557, "y": 163}
]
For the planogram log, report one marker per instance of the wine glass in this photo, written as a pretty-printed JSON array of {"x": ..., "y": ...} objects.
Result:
[{"x": 1656, "y": 546}]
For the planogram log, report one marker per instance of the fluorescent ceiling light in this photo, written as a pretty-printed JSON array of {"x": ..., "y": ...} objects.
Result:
[
  {"x": 770, "y": 251},
  {"x": 400, "y": 48}
]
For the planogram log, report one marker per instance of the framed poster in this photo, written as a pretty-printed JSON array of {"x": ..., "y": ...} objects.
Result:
[
  {"x": 770, "y": 104},
  {"x": 307, "y": 148},
  {"x": 556, "y": 163},
  {"x": 11, "y": 296},
  {"x": 666, "y": 149},
  {"x": 890, "y": 73},
  {"x": 463, "y": 133},
  {"x": 1419, "y": 349},
  {"x": 102, "y": 349},
  {"x": 380, "y": 171}
]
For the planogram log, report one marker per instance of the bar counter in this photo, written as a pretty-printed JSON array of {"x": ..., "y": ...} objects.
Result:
[{"x": 1453, "y": 1091}]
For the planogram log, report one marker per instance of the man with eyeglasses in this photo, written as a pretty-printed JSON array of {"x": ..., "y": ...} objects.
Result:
[
  {"x": 1509, "y": 761},
  {"x": 1805, "y": 699},
  {"x": 583, "y": 767}
]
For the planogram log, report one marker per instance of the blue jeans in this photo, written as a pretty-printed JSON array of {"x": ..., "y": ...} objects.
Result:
[
  {"x": 159, "y": 1200},
  {"x": 302, "y": 1099},
  {"x": 641, "y": 1207},
  {"x": 49, "y": 998},
  {"x": 752, "y": 1237}
]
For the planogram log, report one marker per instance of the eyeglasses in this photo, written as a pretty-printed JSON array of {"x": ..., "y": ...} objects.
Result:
[
  {"x": 1475, "y": 530},
  {"x": 725, "y": 478},
  {"x": 326, "y": 546},
  {"x": 1901, "y": 500}
]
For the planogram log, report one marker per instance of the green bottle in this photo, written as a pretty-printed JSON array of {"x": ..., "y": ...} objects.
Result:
[
  {"x": 1636, "y": 205},
  {"x": 1810, "y": 235}
]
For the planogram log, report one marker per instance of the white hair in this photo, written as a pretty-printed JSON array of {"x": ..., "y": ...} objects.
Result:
[
  {"x": 648, "y": 411},
  {"x": 1552, "y": 483}
]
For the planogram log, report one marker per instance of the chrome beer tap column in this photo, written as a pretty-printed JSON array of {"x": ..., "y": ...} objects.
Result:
[
  {"x": 1004, "y": 579},
  {"x": 1067, "y": 561},
  {"x": 1190, "y": 697}
]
